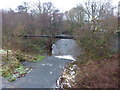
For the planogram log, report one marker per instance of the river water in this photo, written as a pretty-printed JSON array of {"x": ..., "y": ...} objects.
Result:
[{"x": 67, "y": 48}]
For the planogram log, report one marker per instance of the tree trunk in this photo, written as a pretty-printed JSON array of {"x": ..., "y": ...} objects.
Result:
[{"x": 49, "y": 46}]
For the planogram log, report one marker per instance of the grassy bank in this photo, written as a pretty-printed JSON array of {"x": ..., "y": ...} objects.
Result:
[
  {"x": 39, "y": 58},
  {"x": 12, "y": 68}
]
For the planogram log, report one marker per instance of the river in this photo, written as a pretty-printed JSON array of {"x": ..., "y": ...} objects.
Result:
[{"x": 67, "y": 48}]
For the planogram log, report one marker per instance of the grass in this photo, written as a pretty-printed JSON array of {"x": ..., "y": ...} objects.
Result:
[
  {"x": 14, "y": 69},
  {"x": 39, "y": 58},
  {"x": 17, "y": 72},
  {"x": 21, "y": 70}
]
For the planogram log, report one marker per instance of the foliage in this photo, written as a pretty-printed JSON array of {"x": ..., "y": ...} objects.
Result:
[
  {"x": 39, "y": 58},
  {"x": 11, "y": 67},
  {"x": 95, "y": 46},
  {"x": 24, "y": 57},
  {"x": 97, "y": 74},
  {"x": 18, "y": 73},
  {"x": 91, "y": 74},
  {"x": 46, "y": 20},
  {"x": 8, "y": 65}
]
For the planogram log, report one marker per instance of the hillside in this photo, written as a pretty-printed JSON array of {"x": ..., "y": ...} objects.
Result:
[
  {"x": 98, "y": 74},
  {"x": 93, "y": 74}
]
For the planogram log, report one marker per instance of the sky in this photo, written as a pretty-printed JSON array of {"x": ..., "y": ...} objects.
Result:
[{"x": 62, "y": 5}]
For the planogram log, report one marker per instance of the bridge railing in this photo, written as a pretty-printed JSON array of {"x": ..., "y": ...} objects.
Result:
[{"x": 56, "y": 36}]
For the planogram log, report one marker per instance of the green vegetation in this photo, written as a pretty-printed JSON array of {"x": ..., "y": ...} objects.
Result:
[
  {"x": 39, "y": 58},
  {"x": 18, "y": 73},
  {"x": 8, "y": 65},
  {"x": 24, "y": 57},
  {"x": 11, "y": 67},
  {"x": 95, "y": 46},
  {"x": 95, "y": 23},
  {"x": 12, "y": 73}
]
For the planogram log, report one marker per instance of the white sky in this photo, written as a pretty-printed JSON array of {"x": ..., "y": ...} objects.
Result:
[{"x": 63, "y": 5}]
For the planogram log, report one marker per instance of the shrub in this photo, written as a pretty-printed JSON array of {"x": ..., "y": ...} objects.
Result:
[
  {"x": 8, "y": 65},
  {"x": 95, "y": 45}
]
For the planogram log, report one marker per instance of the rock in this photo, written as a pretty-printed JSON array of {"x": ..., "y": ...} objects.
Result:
[{"x": 67, "y": 79}]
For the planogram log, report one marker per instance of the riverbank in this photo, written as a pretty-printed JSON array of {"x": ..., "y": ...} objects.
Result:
[
  {"x": 44, "y": 74},
  {"x": 93, "y": 74},
  {"x": 15, "y": 64}
]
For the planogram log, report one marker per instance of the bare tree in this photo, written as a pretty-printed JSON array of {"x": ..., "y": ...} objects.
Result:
[
  {"x": 48, "y": 21},
  {"x": 97, "y": 12},
  {"x": 24, "y": 7}
]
